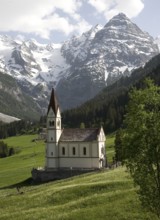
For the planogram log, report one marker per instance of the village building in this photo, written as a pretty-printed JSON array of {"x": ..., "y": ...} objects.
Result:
[{"x": 76, "y": 149}]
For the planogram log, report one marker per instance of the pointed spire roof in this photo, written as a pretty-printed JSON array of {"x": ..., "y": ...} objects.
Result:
[{"x": 53, "y": 103}]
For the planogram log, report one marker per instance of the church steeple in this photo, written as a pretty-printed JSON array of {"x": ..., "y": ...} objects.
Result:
[
  {"x": 54, "y": 132},
  {"x": 53, "y": 103}
]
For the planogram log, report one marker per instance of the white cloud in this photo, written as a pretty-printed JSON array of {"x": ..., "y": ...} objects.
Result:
[
  {"x": 20, "y": 37},
  {"x": 39, "y": 16},
  {"x": 82, "y": 26},
  {"x": 110, "y": 8}
]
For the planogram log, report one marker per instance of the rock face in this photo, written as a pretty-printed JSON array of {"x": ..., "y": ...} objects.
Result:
[
  {"x": 125, "y": 47},
  {"x": 81, "y": 67},
  {"x": 101, "y": 56}
]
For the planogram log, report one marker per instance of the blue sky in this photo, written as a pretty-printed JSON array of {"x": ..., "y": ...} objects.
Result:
[{"x": 57, "y": 20}]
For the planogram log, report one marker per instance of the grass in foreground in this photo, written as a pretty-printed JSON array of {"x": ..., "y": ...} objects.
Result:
[
  {"x": 106, "y": 195},
  {"x": 101, "y": 195}
]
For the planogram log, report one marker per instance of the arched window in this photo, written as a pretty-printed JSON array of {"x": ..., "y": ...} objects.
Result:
[
  {"x": 63, "y": 150},
  {"x": 51, "y": 123},
  {"x": 73, "y": 150},
  {"x": 84, "y": 151}
]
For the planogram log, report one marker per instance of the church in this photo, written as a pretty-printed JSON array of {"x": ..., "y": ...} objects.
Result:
[
  {"x": 72, "y": 148},
  {"x": 69, "y": 149}
]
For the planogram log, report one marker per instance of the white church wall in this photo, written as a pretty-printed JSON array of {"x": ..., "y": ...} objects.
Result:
[
  {"x": 53, "y": 135},
  {"x": 79, "y": 163},
  {"x": 91, "y": 149},
  {"x": 101, "y": 149},
  {"x": 58, "y": 134},
  {"x": 73, "y": 149},
  {"x": 84, "y": 149},
  {"x": 51, "y": 150},
  {"x": 86, "y": 155},
  {"x": 63, "y": 150},
  {"x": 50, "y": 136},
  {"x": 101, "y": 136},
  {"x": 90, "y": 158},
  {"x": 94, "y": 150},
  {"x": 52, "y": 163}
]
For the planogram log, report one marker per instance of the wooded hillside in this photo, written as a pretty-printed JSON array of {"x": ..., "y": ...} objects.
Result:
[{"x": 108, "y": 108}]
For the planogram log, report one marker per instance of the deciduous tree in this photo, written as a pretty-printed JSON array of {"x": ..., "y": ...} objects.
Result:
[
  {"x": 141, "y": 143},
  {"x": 118, "y": 145}
]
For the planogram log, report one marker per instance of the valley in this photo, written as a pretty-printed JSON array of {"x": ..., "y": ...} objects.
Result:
[
  {"x": 79, "y": 110},
  {"x": 100, "y": 195}
]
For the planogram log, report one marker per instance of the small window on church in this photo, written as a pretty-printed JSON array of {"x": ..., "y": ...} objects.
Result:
[
  {"x": 51, "y": 153},
  {"x": 84, "y": 151},
  {"x": 51, "y": 139},
  {"x": 58, "y": 123},
  {"x": 51, "y": 123},
  {"x": 63, "y": 150},
  {"x": 73, "y": 150}
]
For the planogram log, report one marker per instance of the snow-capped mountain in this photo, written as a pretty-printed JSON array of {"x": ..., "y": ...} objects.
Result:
[
  {"x": 36, "y": 67},
  {"x": 101, "y": 56},
  {"x": 157, "y": 41},
  {"x": 30, "y": 60},
  {"x": 79, "y": 68}
]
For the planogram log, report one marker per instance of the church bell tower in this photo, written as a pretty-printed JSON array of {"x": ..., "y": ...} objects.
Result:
[{"x": 53, "y": 133}]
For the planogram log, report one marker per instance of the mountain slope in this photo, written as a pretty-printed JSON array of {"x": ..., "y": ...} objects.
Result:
[
  {"x": 14, "y": 102},
  {"x": 112, "y": 51},
  {"x": 108, "y": 107},
  {"x": 79, "y": 68},
  {"x": 90, "y": 197}
]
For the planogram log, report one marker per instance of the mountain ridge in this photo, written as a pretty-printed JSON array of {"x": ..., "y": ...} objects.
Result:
[
  {"x": 79, "y": 68},
  {"x": 109, "y": 106}
]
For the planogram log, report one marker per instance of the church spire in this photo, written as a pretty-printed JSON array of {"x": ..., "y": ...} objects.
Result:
[{"x": 53, "y": 103}]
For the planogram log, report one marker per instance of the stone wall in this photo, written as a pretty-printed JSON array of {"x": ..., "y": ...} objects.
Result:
[{"x": 48, "y": 175}]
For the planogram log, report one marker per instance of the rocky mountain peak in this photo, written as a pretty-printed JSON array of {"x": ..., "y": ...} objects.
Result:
[
  {"x": 121, "y": 23},
  {"x": 121, "y": 18},
  {"x": 100, "y": 57},
  {"x": 80, "y": 67}
]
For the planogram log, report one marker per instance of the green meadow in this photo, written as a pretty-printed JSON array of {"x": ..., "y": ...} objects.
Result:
[
  {"x": 106, "y": 194},
  {"x": 17, "y": 168}
]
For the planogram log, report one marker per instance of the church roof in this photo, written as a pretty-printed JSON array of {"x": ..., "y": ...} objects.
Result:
[
  {"x": 77, "y": 134},
  {"x": 53, "y": 103}
]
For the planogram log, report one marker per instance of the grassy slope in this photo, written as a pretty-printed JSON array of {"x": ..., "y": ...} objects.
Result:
[
  {"x": 110, "y": 147},
  {"x": 100, "y": 195},
  {"x": 18, "y": 167}
]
